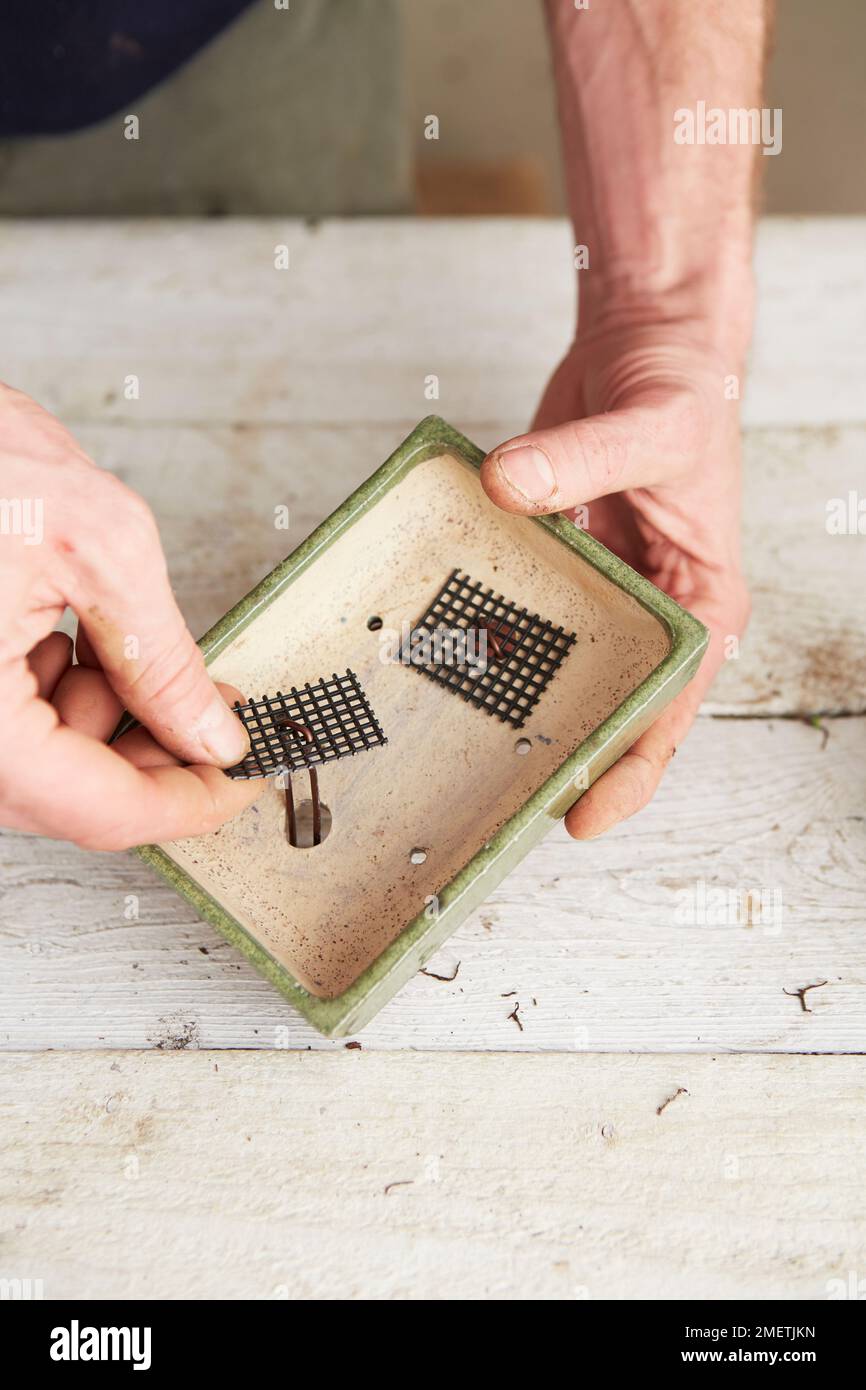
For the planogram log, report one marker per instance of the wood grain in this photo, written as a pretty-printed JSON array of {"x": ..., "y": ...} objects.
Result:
[
  {"x": 459, "y": 1177},
  {"x": 616, "y": 939},
  {"x": 257, "y": 394},
  {"x": 216, "y": 493},
  {"x": 192, "y": 1170},
  {"x": 367, "y": 311}
]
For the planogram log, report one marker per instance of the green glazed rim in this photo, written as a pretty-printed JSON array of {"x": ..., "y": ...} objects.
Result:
[{"x": 421, "y": 937}]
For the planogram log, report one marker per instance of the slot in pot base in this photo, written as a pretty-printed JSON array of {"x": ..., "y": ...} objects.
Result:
[{"x": 450, "y": 775}]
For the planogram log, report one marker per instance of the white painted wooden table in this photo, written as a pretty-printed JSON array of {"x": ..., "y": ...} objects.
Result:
[{"x": 260, "y": 387}]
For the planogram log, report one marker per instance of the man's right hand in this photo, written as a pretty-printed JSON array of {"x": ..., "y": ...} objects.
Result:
[{"x": 71, "y": 534}]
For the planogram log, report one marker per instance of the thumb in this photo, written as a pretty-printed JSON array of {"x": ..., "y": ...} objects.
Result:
[
  {"x": 549, "y": 470},
  {"x": 159, "y": 675}
]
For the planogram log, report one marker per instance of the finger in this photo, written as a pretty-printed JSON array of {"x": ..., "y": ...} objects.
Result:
[
  {"x": 115, "y": 577},
  {"x": 84, "y": 653},
  {"x": 85, "y": 701},
  {"x": 142, "y": 750},
  {"x": 48, "y": 660},
  {"x": 64, "y": 784},
  {"x": 637, "y": 446},
  {"x": 631, "y": 783}
]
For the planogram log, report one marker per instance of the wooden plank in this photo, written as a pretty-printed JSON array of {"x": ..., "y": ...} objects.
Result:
[
  {"x": 623, "y": 942},
  {"x": 367, "y": 311},
  {"x": 362, "y": 1176},
  {"x": 805, "y": 650},
  {"x": 218, "y": 336},
  {"x": 215, "y": 493}
]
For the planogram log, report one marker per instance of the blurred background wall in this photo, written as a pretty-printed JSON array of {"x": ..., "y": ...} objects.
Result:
[
  {"x": 483, "y": 68},
  {"x": 298, "y": 110},
  {"x": 320, "y": 108}
]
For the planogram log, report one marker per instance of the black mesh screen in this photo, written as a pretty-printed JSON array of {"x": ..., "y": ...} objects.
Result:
[
  {"x": 334, "y": 715},
  {"x": 523, "y": 650}
]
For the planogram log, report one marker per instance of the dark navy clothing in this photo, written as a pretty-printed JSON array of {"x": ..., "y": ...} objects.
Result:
[{"x": 65, "y": 64}]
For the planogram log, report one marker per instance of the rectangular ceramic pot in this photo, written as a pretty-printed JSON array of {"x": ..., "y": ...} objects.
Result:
[{"x": 339, "y": 928}]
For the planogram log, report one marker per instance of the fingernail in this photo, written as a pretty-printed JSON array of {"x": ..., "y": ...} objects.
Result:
[
  {"x": 222, "y": 734},
  {"x": 528, "y": 471}
]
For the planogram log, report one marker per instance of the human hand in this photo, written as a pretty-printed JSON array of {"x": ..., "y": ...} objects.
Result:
[
  {"x": 635, "y": 422},
  {"x": 71, "y": 534}
]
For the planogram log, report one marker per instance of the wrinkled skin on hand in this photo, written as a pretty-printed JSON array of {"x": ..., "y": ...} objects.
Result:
[
  {"x": 74, "y": 535},
  {"x": 636, "y": 424}
]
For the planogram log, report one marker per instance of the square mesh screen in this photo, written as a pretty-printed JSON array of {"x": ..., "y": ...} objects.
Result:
[
  {"x": 524, "y": 651},
  {"x": 335, "y": 721}
]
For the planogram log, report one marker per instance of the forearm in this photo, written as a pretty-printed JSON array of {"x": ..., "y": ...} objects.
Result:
[{"x": 667, "y": 225}]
